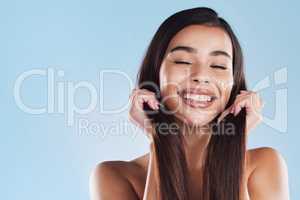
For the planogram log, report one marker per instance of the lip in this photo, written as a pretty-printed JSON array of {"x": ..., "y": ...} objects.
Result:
[
  {"x": 195, "y": 104},
  {"x": 198, "y": 91}
]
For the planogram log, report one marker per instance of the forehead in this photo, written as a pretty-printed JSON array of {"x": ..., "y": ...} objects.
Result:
[{"x": 204, "y": 38}]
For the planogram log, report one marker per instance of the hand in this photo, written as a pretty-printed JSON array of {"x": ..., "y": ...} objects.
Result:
[
  {"x": 253, "y": 104},
  {"x": 137, "y": 114}
]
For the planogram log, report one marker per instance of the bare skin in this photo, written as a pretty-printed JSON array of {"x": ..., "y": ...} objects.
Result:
[{"x": 265, "y": 174}]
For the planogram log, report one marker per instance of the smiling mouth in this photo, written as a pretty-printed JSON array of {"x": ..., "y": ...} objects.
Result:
[{"x": 198, "y": 99}]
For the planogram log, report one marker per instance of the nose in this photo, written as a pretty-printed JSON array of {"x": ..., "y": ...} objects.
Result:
[
  {"x": 199, "y": 80},
  {"x": 200, "y": 74}
]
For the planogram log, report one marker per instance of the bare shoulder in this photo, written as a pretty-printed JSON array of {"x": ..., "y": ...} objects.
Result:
[
  {"x": 269, "y": 175},
  {"x": 117, "y": 179},
  {"x": 264, "y": 155},
  {"x": 108, "y": 181}
]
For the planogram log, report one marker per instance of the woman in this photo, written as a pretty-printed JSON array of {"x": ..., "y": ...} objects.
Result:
[{"x": 193, "y": 103}]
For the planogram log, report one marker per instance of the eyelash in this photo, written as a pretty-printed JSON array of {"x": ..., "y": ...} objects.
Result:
[
  {"x": 182, "y": 62},
  {"x": 187, "y": 63},
  {"x": 219, "y": 66}
]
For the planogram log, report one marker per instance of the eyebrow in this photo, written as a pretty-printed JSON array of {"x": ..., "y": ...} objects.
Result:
[
  {"x": 184, "y": 48},
  {"x": 193, "y": 50}
]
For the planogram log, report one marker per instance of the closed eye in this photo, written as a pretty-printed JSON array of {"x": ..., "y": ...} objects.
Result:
[
  {"x": 219, "y": 66},
  {"x": 182, "y": 62}
]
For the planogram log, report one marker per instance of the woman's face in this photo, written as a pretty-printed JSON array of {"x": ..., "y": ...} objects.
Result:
[{"x": 196, "y": 74}]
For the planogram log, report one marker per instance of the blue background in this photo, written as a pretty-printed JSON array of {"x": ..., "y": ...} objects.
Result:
[{"x": 43, "y": 158}]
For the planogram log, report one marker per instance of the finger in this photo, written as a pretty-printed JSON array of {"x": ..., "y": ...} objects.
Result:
[
  {"x": 223, "y": 115},
  {"x": 242, "y": 94},
  {"x": 152, "y": 96},
  {"x": 232, "y": 109},
  {"x": 237, "y": 110},
  {"x": 242, "y": 97},
  {"x": 133, "y": 93},
  {"x": 147, "y": 99},
  {"x": 252, "y": 102},
  {"x": 144, "y": 92},
  {"x": 244, "y": 91},
  {"x": 148, "y": 93},
  {"x": 155, "y": 104},
  {"x": 239, "y": 105},
  {"x": 260, "y": 102}
]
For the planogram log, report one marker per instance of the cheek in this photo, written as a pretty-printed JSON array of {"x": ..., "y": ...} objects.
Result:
[
  {"x": 225, "y": 97},
  {"x": 172, "y": 74},
  {"x": 170, "y": 80},
  {"x": 225, "y": 88},
  {"x": 224, "y": 82},
  {"x": 223, "y": 77},
  {"x": 171, "y": 77}
]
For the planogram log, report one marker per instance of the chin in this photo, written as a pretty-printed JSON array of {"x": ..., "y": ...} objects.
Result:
[{"x": 196, "y": 120}]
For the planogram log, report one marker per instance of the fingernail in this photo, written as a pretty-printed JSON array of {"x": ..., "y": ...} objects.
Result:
[
  {"x": 236, "y": 113},
  {"x": 153, "y": 105},
  {"x": 232, "y": 110}
]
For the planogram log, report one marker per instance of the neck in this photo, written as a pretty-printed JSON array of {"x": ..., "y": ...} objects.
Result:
[{"x": 196, "y": 140}]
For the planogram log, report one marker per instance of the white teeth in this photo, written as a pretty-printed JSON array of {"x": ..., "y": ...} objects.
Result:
[{"x": 197, "y": 97}]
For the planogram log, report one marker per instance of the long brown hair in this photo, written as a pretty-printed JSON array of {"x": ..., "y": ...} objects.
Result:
[{"x": 225, "y": 154}]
